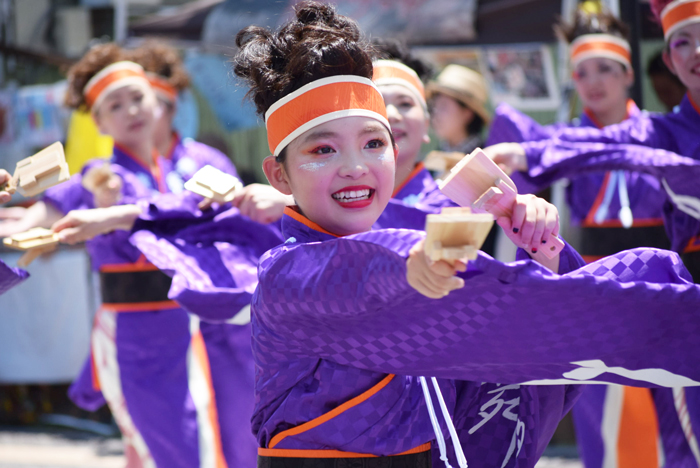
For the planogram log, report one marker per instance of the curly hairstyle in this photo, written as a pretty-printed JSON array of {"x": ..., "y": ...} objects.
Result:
[
  {"x": 163, "y": 60},
  {"x": 97, "y": 58},
  {"x": 317, "y": 43},
  {"x": 393, "y": 49},
  {"x": 591, "y": 23}
]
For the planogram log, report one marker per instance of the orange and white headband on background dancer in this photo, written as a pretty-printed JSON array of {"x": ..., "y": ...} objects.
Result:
[
  {"x": 390, "y": 72},
  {"x": 600, "y": 45},
  {"x": 679, "y": 14},
  {"x": 110, "y": 78},
  {"x": 163, "y": 89},
  {"x": 319, "y": 102}
]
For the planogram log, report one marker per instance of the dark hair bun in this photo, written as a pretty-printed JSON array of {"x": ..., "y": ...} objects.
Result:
[
  {"x": 592, "y": 23},
  {"x": 318, "y": 43},
  {"x": 88, "y": 66}
]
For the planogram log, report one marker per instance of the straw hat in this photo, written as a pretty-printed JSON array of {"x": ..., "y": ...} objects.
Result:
[{"x": 464, "y": 85}]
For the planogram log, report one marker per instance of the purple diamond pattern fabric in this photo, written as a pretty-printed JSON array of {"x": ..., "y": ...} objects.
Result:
[
  {"x": 332, "y": 317},
  {"x": 10, "y": 277}
]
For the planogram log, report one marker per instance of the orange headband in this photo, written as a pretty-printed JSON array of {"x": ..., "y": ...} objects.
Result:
[
  {"x": 389, "y": 72},
  {"x": 111, "y": 77},
  {"x": 162, "y": 88},
  {"x": 319, "y": 102},
  {"x": 600, "y": 45},
  {"x": 679, "y": 14}
]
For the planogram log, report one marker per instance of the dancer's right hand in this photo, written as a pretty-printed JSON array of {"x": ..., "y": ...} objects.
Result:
[
  {"x": 510, "y": 157},
  {"x": 82, "y": 225},
  {"x": 4, "y": 178},
  {"x": 432, "y": 279},
  {"x": 105, "y": 185}
]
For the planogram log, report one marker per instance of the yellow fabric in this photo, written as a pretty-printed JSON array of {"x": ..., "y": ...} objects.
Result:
[{"x": 84, "y": 141}]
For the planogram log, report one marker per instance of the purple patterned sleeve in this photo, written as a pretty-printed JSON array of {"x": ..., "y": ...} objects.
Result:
[
  {"x": 347, "y": 300},
  {"x": 10, "y": 277}
]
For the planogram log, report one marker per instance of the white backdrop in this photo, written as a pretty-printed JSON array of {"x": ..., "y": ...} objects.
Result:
[{"x": 45, "y": 322}]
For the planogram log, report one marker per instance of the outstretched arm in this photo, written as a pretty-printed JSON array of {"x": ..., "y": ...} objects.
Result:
[{"x": 347, "y": 300}]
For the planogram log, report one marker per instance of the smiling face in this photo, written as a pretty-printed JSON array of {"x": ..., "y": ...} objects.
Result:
[
  {"x": 127, "y": 114},
  {"x": 409, "y": 122},
  {"x": 602, "y": 84},
  {"x": 341, "y": 173},
  {"x": 683, "y": 57}
]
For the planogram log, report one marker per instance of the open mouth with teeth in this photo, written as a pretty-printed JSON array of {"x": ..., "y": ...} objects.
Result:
[{"x": 354, "y": 197}]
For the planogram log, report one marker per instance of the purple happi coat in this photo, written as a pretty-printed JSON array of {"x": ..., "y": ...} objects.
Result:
[
  {"x": 10, "y": 277},
  {"x": 585, "y": 194},
  {"x": 585, "y": 191},
  {"x": 334, "y": 319},
  {"x": 149, "y": 361},
  {"x": 646, "y": 143}
]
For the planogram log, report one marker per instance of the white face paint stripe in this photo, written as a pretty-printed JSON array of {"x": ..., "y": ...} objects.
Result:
[
  {"x": 200, "y": 387},
  {"x": 104, "y": 350}
]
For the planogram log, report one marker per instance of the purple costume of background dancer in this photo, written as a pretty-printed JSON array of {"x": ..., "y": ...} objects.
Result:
[
  {"x": 572, "y": 150},
  {"x": 149, "y": 358},
  {"x": 585, "y": 194},
  {"x": 645, "y": 193},
  {"x": 313, "y": 319},
  {"x": 10, "y": 277}
]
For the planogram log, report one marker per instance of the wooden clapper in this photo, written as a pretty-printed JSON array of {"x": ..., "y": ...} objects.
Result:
[
  {"x": 32, "y": 176},
  {"x": 456, "y": 234},
  {"x": 36, "y": 173},
  {"x": 33, "y": 242},
  {"x": 442, "y": 161},
  {"x": 477, "y": 182},
  {"x": 214, "y": 184}
]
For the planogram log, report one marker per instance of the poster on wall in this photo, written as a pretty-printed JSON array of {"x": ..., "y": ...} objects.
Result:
[
  {"x": 440, "y": 57},
  {"x": 522, "y": 76},
  {"x": 40, "y": 115}
]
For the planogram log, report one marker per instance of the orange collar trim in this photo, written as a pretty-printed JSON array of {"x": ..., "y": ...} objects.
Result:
[
  {"x": 416, "y": 170},
  {"x": 293, "y": 212},
  {"x": 153, "y": 169},
  {"x": 629, "y": 106},
  {"x": 693, "y": 103}
]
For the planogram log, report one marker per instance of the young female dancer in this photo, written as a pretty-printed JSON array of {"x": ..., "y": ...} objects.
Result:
[
  {"x": 615, "y": 146},
  {"x": 415, "y": 192},
  {"x": 339, "y": 325},
  {"x": 148, "y": 356},
  {"x": 617, "y": 211}
]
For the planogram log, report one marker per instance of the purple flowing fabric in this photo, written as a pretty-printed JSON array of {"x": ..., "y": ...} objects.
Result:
[
  {"x": 213, "y": 260},
  {"x": 646, "y": 197},
  {"x": 10, "y": 277},
  {"x": 665, "y": 146},
  {"x": 333, "y": 316}
]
